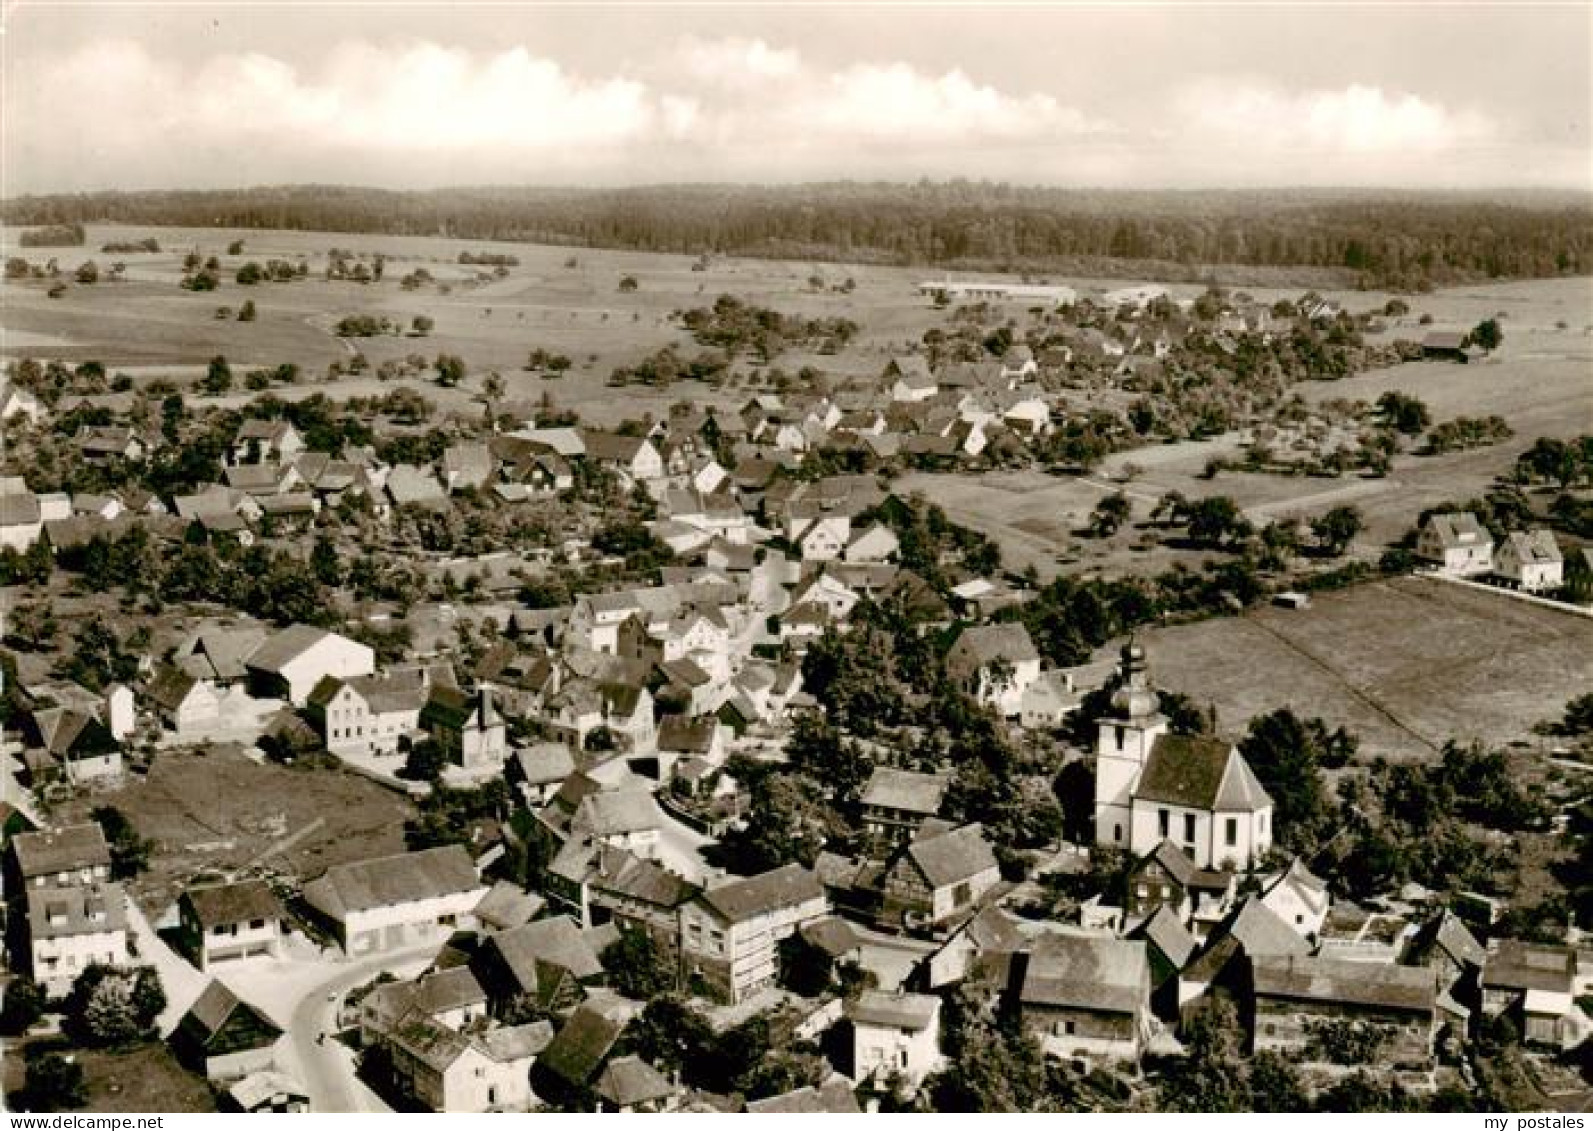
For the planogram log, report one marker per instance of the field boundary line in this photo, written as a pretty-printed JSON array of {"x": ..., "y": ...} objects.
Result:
[
  {"x": 1514, "y": 594},
  {"x": 1358, "y": 693}
]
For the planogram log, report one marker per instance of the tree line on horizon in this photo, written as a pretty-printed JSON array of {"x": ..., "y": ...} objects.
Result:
[{"x": 1391, "y": 240}]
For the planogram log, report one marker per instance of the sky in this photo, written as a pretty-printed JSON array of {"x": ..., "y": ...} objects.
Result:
[{"x": 1168, "y": 95}]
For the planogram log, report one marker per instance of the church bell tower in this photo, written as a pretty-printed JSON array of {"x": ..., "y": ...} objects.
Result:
[{"x": 1123, "y": 745}]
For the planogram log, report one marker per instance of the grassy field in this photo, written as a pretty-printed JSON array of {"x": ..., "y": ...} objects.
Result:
[
  {"x": 1403, "y": 664},
  {"x": 216, "y": 809},
  {"x": 146, "y": 1078}
]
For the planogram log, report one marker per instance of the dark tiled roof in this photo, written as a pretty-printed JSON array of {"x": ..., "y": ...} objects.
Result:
[
  {"x": 405, "y": 878},
  {"x": 221, "y": 904},
  {"x": 1200, "y": 773},
  {"x": 1100, "y": 974},
  {"x": 783, "y": 887},
  {"x": 906, "y": 791},
  {"x": 1338, "y": 981},
  {"x": 953, "y": 857},
  {"x": 59, "y": 850},
  {"x": 578, "y": 1050}
]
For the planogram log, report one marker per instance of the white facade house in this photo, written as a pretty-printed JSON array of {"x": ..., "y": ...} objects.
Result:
[
  {"x": 895, "y": 1035},
  {"x": 729, "y": 935},
  {"x": 368, "y": 716},
  {"x": 1531, "y": 561},
  {"x": 291, "y": 663},
  {"x": 1457, "y": 543},
  {"x": 73, "y": 928},
  {"x": 995, "y": 664},
  {"x": 398, "y": 901},
  {"x": 229, "y": 923}
]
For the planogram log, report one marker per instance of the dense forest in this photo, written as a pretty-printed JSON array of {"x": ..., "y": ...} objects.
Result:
[{"x": 1393, "y": 240}]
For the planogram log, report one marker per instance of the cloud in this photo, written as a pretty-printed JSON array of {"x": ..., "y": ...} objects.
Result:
[
  {"x": 1355, "y": 120},
  {"x": 895, "y": 101},
  {"x": 419, "y": 113}
]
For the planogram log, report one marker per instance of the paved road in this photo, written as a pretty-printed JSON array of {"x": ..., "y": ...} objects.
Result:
[{"x": 327, "y": 1069}]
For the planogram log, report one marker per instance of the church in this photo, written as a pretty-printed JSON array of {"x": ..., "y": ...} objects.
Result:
[{"x": 1151, "y": 785}]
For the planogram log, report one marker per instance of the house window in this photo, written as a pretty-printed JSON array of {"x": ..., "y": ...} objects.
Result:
[
  {"x": 1117, "y": 833},
  {"x": 1162, "y": 819},
  {"x": 256, "y": 924},
  {"x": 1189, "y": 827},
  {"x": 1120, "y": 733},
  {"x": 1231, "y": 834},
  {"x": 1142, "y": 890}
]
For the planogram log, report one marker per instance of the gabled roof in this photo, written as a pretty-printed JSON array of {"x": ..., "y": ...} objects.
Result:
[
  {"x": 1458, "y": 529},
  {"x": 627, "y": 1081},
  {"x": 627, "y": 874},
  {"x": 981, "y": 645},
  {"x": 221, "y": 904},
  {"x": 218, "y": 1008},
  {"x": 556, "y": 942},
  {"x": 82, "y": 909},
  {"x": 682, "y": 735},
  {"x": 19, "y": 509},
  {"x": 1337, "y": 981},
  {"x": 906, "y": 791},
  {"x": 1534, "y": 547},
  {"x": 834, "y": 1096},
  {"x": 544, "y": 762},
  {"x": 1448, "y": 935},
  {"x": 1253, "y": 930},
  {"x": 285, "y": 647},
  {"x": 1167, "y": 933},
  {"x": 616, "y": 812},
  {"x": 758, "y": 895},
  {"x": 404, "y": 878},
  {"x": 64, "y": 849},
  {"x": 1518, "y": 965},
  {"x": 1200, "y": 773},
  {"x": 952, "y": 858},
  {"x": 578, "y": 1050},
  {"x": 1311, "y": 889},
  {"x": 1098, "y": 974},
  {"x": 910, "y": 1012}
]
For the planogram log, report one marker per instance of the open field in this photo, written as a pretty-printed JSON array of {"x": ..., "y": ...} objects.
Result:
[
  {"x": 1403, "y": 664},
  {"x": 145, "y": 1078},
  {"x": 1035, "y": 518},
  {"x": 217, "y": 809}
]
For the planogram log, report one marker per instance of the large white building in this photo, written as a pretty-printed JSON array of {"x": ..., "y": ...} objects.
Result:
[
  {"x": 398, "y": 901},
  {"x": 291, "y": 663},
  {"x": 1035, "y": 294},
  {"x": 1151, "y": 785}
]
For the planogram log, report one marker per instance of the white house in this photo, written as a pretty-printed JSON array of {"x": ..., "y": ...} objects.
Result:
[
  {"x": 398, "y": 901},
  {"x": 729, "y": 934},
  {"x": 1299, "y": 898},
  {"x": 876, "y": 543},
  {"x": 1457, "y": 542},
  {"x": 290, "y": 664},
  {"x": 72, "y": 928},
  {"x": 231, "y": 922},
  {"x": 1531, "y": 561},
  {"x": 368, "y": 716},
  {"x": 995, "y": 664},
  {"x": 895, "y": 1035},
  {"x": 21, "y": 520},
  {"x": 449, "y": 1071},
  {"x": 822, "y": 537}
]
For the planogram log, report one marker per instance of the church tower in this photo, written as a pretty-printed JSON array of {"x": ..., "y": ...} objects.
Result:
[{"x": 1123, "y": 745}]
